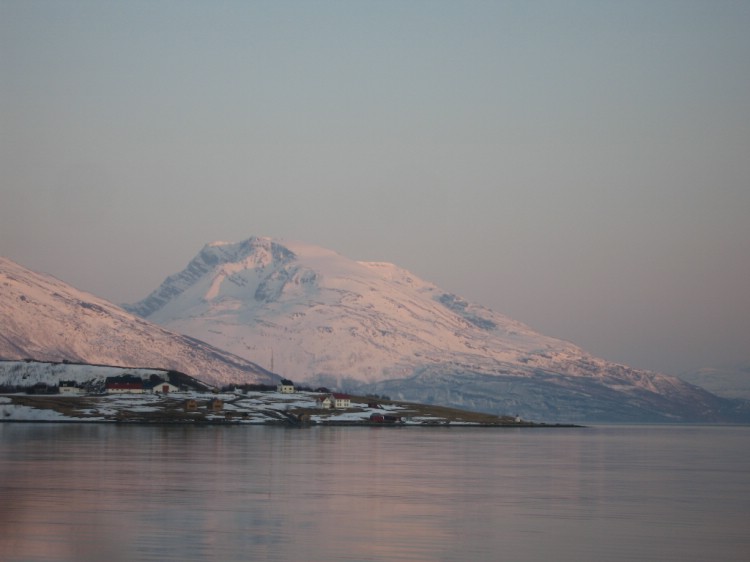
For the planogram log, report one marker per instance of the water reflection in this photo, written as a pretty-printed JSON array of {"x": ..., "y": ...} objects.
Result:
[{"x": 101, "y": 492}]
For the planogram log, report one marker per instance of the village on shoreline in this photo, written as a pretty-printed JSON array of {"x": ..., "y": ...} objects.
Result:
[{"x": 130, "y": 399}]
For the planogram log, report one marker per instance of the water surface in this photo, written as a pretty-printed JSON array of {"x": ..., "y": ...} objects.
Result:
[{"x": 78, "y": 492}]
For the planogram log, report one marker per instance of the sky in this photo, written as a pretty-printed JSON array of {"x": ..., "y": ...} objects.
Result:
[{"x": 581, "y": 166}]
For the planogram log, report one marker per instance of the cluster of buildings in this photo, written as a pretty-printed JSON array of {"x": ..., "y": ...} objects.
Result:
[
  {"x": 132, "y": 384},
  {"x": 326, "y": 400},
  {"x": 123, "y": 384}
]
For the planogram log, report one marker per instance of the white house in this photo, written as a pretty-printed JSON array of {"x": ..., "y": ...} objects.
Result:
[
  {"x": 285, "y": 387},
  {"x": 324, "y": 402},
  {"x": 341, "y": 400},
  {"x": 163, "y": 387},
  {"x": 69, "y": 388}
]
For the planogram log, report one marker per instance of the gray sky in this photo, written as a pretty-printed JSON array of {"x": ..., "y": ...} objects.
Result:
[{"x": 583, "y": 167}]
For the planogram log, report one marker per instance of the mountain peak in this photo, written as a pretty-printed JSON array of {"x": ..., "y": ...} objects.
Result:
[
  {"x": 262, "y": 251},
  {"x": 215, "y": 263}
]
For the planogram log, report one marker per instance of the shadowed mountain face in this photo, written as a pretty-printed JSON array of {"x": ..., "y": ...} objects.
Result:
[
  {"x": 45, "y": 319},
  {"x": 373, "y": 327}
]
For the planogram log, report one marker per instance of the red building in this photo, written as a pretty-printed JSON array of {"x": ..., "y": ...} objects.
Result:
[{"x": 125, "y": 384}]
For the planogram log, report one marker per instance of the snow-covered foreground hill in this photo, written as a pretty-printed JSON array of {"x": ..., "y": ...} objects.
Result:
[
  {"x": 26, "y": 374},
  {"x": 44, "y": 319},
  {"x": 324, "y": 319}
]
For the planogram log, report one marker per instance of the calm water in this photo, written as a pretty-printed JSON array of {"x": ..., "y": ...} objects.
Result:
[{"x": 108, "y": 493}]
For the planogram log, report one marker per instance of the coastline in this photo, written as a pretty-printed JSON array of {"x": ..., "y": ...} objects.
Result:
[{"x": 252, "y": 408}]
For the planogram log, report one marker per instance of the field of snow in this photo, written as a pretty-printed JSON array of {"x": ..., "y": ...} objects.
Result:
[{"x": 21, "y": 373}]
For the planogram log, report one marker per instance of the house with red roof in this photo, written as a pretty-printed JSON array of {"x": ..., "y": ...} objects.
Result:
[
  {"x": 341, "y": 400},
  {"x": 124, "y": 384}
]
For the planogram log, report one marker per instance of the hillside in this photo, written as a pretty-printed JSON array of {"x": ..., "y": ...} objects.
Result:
[
  {"x": 23, "y": 376},
  {"x": 45, "y": 319}
]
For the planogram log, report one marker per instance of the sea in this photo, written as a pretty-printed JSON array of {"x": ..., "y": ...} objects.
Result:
[{"x": 111, "y": 493}]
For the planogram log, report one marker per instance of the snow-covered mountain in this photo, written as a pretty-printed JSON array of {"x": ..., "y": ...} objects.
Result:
[
  {"x": 44, "y": 319},
  {"x": 321, "y": 318}
]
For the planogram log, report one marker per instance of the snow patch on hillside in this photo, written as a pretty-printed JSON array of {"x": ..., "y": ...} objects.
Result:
[{"x": 27, "y": 374}]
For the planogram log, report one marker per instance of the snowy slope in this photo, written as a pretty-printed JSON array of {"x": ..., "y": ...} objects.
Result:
[
  {"x": 25, "y": 374},
  {"x": 323, "y": 318},
  {"x": 44, "y": 319},
  {"x": 322, "y": 314}
]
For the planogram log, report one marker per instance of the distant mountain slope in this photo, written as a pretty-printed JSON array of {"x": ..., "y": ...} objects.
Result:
[
  {"x": 323, "y": 318},
  {"x": 44, "y": 319},
  {"x": 729, "y": 381}
]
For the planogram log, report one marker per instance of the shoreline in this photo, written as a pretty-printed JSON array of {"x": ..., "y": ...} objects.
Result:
[
  {"x": 363, "y": 424},
  {"x": 297, "y": 410}
]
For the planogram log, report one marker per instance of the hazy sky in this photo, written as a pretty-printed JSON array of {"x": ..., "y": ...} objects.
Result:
[{"x": 583, "y": 167}]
